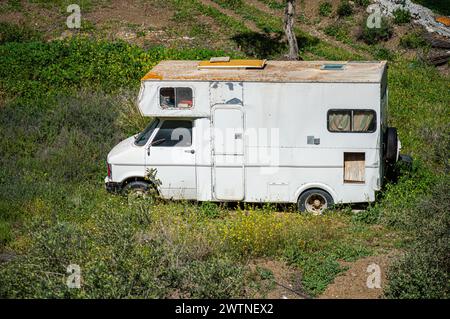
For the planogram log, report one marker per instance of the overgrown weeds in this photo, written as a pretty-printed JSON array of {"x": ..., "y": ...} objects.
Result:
[
  {"x": 423, "y": 271},
  {"x": 374, "y": 34}
]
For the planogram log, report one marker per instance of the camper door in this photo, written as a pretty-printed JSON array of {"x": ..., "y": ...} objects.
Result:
[{"x": 228, "y": 152}]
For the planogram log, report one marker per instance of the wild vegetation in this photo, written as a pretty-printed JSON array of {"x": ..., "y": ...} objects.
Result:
[{"x": 65, "y": 103}]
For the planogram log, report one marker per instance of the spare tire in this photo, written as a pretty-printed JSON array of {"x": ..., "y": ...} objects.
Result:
[{"x": 391, "y": 145}]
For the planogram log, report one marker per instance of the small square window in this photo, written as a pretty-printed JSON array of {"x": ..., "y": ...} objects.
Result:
[{"x": 180, "y": 97}]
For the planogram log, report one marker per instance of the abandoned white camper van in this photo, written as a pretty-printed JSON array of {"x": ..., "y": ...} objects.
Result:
[{"x": 311, "y": 133}]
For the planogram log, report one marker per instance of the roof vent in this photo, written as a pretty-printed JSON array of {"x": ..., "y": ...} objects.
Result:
[
  {"x": 222, "y": 63},
  {"x": 332, "y": 67}
]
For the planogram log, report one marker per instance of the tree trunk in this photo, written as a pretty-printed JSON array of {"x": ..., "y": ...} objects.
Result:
[{"x": 289, "y": 15}]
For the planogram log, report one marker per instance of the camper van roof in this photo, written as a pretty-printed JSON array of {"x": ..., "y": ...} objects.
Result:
[{"x": 274, "y": 71}]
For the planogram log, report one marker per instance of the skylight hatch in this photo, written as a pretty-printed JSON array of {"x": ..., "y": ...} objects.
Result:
[{"x": 333, "y": 66}]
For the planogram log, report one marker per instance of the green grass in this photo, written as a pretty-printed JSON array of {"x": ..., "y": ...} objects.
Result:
[
  {"x": 10, "y": 32},
  {"x": 188, "y": 8},
  {"x": 274, "y": 4},
  {"x": 325, "y": 9},
  {"x": 34, "y": 68},
  {"x": 264, "y": 21},
  {"x": 401, "y": 16},
  {"x": 413, "y": 41},
  {"x": 11, "y": 5},
  {"x": 419, "y": 98}
]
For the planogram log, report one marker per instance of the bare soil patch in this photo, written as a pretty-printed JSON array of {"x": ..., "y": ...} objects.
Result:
[
  {"x": 285, "y": 281},
  {"x": 132, "y": 12},
  {"x": 353, "y": 283}
]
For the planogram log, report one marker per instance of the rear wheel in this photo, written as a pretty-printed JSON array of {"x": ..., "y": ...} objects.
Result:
[{"x": 315, "y": 201}]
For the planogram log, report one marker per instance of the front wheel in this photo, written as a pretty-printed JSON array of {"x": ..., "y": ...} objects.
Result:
[
  {"x": 139, "y": 189},
  {"x": 315, "y": 201}
]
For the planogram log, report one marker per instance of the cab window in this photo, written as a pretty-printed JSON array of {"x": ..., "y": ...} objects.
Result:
[
  {"x": 174, "y": 133},
  {"x": 143, "y": 137}
]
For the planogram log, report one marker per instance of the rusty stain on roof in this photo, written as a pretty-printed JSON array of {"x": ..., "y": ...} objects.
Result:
[
  {"x": 274, "y": 71},
  {"x": 152, "y": 76}
]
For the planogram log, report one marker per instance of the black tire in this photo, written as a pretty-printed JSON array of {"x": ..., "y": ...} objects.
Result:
[
  {"x": 307, "y": 202},
  {"x": 391, "y": 145},
  {"x": 137, "y": 189}
]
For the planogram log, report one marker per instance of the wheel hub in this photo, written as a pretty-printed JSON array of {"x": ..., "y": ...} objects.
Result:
[{"x": 316, "y": 203}]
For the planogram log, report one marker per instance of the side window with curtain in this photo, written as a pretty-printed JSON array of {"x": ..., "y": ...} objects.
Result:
[
  {"x": 356, "y": 121},
  {"x": 363, "y": 121},
  {"x": 339, "y": 121}
]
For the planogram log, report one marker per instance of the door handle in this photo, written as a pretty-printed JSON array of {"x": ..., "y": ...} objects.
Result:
[{"x": 190, "y": 151}]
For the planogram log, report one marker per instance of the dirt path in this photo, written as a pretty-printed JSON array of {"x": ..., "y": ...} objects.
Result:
[
  {"x": 286, "y": 281},
  {"x": 249, "y": 24},
  {"x": 353, "y": 283}
]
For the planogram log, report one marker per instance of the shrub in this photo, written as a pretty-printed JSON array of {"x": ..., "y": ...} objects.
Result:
[
  {"x": 413, "y": 41},
  {"x": 345, "y": 9},
  {"x": 382, "y": 53},
  {"x": 253, "y": 233},
  {"x": 400, "y": 199},
  {"x": 371, "y": 215},
  {"x": 339, "y": 31},
  {"x": 5, "y": 232},
  {"x": 14, "y": 33},
  {"x": 325, "y": 8},
  {"x": 374, "y": 35},
  {"x": 424, "y": 272},
  {"x": 401, "y": 16},
  {"x": 215, "y": 278},
  {"x": 209, "y": 209},
  {"x": 116, "y": 262},
  {"x": 318, "y": 269}
]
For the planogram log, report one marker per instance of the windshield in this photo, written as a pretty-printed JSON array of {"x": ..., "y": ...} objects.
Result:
[{"x": 143, "y": 137}]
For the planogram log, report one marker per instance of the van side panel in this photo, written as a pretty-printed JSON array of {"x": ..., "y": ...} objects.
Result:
[{"x": 294, "y": 148}]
